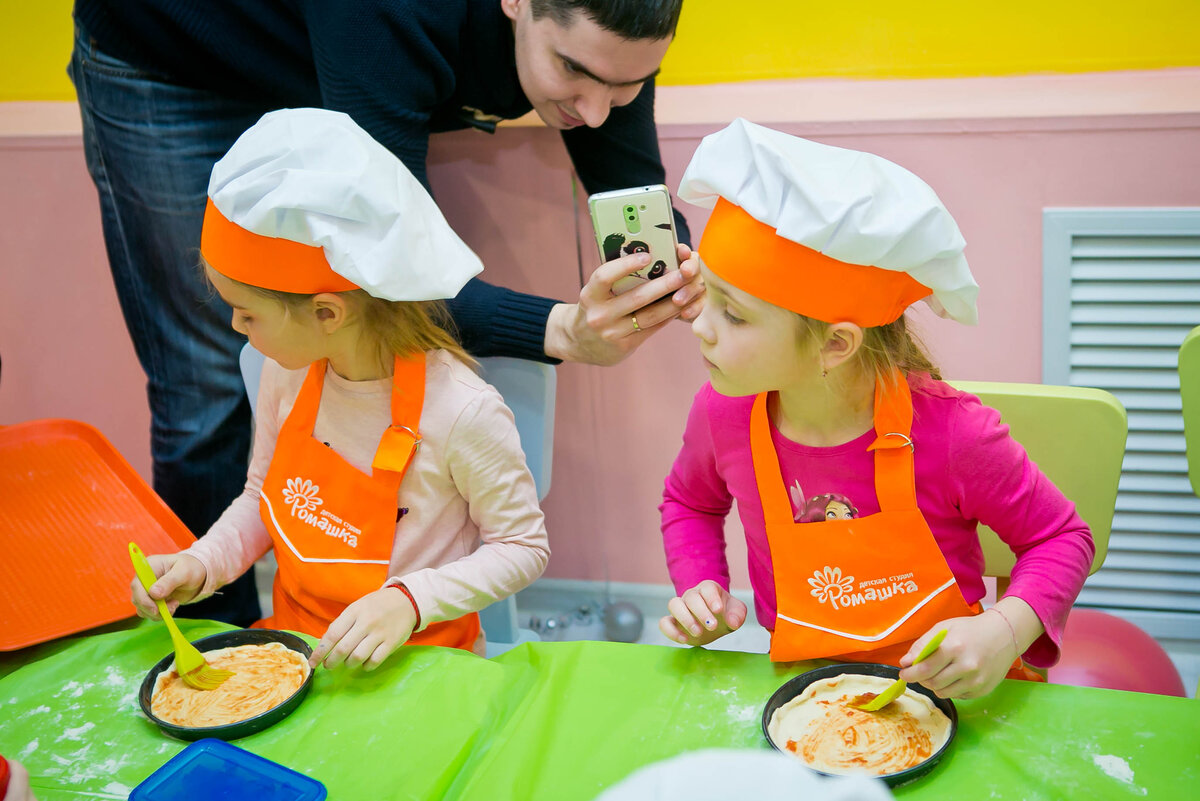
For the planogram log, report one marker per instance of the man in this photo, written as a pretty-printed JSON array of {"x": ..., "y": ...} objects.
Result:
[{"x": 166, "y": 86}]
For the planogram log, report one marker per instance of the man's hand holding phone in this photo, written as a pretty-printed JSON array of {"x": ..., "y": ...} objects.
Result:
[
  {"x": 646, "y": 279},
  {"x": 603, "y": 328}
]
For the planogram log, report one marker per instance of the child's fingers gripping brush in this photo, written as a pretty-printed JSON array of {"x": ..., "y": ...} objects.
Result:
[{"x": 190, "y": 663}]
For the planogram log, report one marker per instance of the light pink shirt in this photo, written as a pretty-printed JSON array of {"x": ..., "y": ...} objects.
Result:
[
  {"x": 968, "y": 471},
  {"x": 473, "y": 533}
]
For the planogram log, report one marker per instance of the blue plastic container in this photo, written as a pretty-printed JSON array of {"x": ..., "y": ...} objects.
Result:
[{"x": 213, "y": 769}]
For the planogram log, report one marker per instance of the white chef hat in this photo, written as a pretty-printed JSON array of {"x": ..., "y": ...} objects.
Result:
[
  {"x": 833, "y": 234},
  {"x": 306, "y": 201},
  {"x": 716, "y": 774}
]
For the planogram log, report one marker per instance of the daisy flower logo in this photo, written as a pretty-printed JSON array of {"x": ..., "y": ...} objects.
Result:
[
  {"x": 829, "y": 584},
  {"x": 301, "y": 495}
]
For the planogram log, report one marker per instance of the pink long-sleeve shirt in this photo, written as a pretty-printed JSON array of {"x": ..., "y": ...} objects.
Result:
[
  {"x": 473, "y": 532},
  {"x": 968, "y": 471}
]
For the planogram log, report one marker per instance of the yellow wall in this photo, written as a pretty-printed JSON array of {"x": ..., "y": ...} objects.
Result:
[
  {"x": 35, "y": 44},
  {"x": 721, "y": 40}
]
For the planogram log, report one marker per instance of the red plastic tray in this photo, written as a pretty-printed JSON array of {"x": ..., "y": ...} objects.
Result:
[{"x": 69, "y": 506}]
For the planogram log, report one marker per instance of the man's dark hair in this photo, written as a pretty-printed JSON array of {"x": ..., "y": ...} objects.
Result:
[{"x": 629, "y": 19}]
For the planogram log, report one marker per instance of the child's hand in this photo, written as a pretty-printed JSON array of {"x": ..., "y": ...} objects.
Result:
[
  {"x": 368, "y": 631},
  {"x": 704, "y": 613},
  {"x": 180, "y": 579},
  {"x": 18, "y": 783},
  {"x": 970, "y": 662}
]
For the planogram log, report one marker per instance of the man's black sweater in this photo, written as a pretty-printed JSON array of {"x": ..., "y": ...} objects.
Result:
[{"x": 403, "y": 69}]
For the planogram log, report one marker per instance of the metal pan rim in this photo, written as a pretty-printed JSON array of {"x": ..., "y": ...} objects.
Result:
[
  {"x": 241, "y": 728},
  {"x": 797, "y": 684}
]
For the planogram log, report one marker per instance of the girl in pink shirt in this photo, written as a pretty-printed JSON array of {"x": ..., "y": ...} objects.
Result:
[{"x": 860, "y": 477}]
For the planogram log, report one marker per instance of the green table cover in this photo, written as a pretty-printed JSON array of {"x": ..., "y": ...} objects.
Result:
[{"x": 561, "y": 721}]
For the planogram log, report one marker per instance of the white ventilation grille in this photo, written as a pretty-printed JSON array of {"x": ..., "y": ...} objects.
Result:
[{"x": 1121, "y": 291}]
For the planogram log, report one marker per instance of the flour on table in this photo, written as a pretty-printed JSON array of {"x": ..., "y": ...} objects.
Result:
[
  {"x": 29, "y": 749},
  {"x": 76, "y": 733},
  {"x": 734, "y": 713},
  {"x": 1114, "y": 766},
  {"x": 114, "y": 677},
  {"x": 80, "y": 770},
  {"x": 743, "y": 714},
  {"x": 1117, "y": 768},
  {"x": 65, "y": 761}
]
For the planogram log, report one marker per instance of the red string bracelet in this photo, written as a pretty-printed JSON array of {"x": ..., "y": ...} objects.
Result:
[{"x": 399, "y": 585}]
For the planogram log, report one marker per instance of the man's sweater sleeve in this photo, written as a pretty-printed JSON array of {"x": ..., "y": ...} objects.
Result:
[{"x": 494, "y": 321}]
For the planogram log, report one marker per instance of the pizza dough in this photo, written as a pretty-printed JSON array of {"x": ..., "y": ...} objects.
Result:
[
  {"x": 823, "y": 727},
  {"x": 264, "y": 677}
]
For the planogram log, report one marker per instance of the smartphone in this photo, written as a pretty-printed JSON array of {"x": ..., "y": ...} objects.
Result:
[{"x": 636, "y": 220}]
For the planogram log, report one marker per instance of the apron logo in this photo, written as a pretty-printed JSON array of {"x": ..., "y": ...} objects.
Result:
[
  {"x": 831, "y": 587},
  {"x": 828, "y": 585},
  {"x": 301, "y": 496}
]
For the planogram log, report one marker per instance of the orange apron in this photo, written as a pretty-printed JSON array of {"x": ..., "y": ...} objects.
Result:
[
  {"x": 332, "y": 525},
  {"x": 863, "y": 589}
]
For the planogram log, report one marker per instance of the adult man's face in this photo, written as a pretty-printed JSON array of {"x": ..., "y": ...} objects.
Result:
[{"x": 575, "y": 74}]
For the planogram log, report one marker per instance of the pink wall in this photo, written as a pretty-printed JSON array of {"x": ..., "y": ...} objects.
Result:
[
  {"x": 619, "y": 428},
  {"x": 66, "y": 352},
  {"x": 63, "y": 342}
]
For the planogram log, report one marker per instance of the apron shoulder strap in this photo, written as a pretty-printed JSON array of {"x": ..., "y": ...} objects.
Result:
[
  {"x": 400, "y": 441},
  {"x": 303, "y": 416},
  {"x": 776, "y": 506},
  {"x": 895, "y": 478}
]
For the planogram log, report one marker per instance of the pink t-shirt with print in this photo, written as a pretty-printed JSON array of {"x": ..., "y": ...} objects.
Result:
[{"x": 968, "y": 471}]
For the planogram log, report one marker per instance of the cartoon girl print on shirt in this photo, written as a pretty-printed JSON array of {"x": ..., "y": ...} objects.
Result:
[{"x": 826, "y": 506}]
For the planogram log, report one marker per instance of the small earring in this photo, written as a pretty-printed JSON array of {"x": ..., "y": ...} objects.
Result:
[{"x": 824, "y": 373}]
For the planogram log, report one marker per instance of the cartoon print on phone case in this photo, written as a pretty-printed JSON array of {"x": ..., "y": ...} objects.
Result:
[{"x": 615, "y": 246}]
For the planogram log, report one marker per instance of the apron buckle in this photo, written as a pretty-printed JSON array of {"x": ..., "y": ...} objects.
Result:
[
  {"x": 883, "y": 442},
  {"x": 396, "y": 448}
]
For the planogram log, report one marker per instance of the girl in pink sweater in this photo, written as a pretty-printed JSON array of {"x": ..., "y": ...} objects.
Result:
[{"x": 810, "y": 257}]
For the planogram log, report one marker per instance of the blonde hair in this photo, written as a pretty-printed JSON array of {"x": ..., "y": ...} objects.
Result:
[
  {"x": 399, "y": 327},
  {"x": 407, "y": 326},
  {"x": 885, "y": 348}
]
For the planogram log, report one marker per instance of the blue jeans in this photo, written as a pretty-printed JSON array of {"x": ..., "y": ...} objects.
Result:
[{"x": 150, "y": 147}]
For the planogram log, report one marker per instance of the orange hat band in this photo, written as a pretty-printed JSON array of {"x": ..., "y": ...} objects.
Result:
[
  {"x": 266, "y": 261},
  {"x": 754, "y": 258}
]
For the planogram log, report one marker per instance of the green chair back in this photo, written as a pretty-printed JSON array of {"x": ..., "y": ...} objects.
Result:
[
  {"x": 1076, "y": 436},
  {"x": 1189, "y": 392}
]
